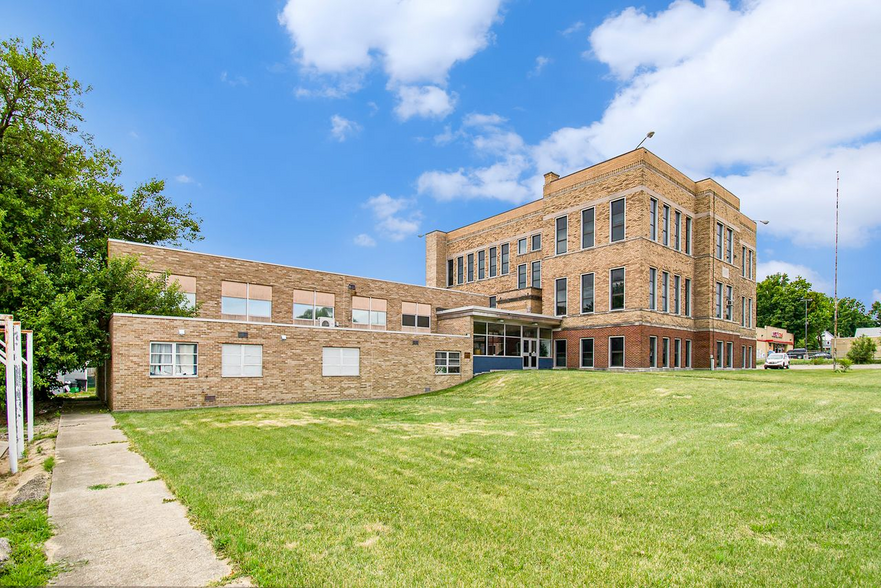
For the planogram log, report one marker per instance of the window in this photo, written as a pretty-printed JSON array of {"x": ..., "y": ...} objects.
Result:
[
  {"x": 536, "y": 242},
  {"x": 749, "y": 268},
  {"x": 653, "y": 288},
  {"x": 174, "y": 359},
  {"x": 653, "y": 219},
  {"x": 246, "y": 302},
  {"x": 586, "y": 293},
  {"x": 743, "y": 311},
  {"x": 505, "y": 257},
  {"x": 616, "y": 289},
  {"x": 560, "y": 353},
  {"x": 665, "y": 288},
  {"x": 687, "y": 294},
  {"x": 751, "y": 359},
  {"x": 720, "y": 363},
  {"x": 677, "y": 351},
  {"x": 493, "y": 262},
  {"x": 562, "y": 238},
  {"x": 521, "y": 276},
  {"x": 616, "y": 351},
  {"x": 186, "y": 285},
  {"x": 743, "y": 261},
  {"x": 341, "y": 361},
  {"x": 677, "y": 282},
  {"x": 369, "y": 313},
  {"x": 687, "y": 356},
  {"x": 504, "y": 340},
  {"x": 688, "y": 235},
  {"x": 521, "y": 246},
  {"x": 560, "y": 296},
  {"x": 743, "y": 356},
  {"x": 677, "y": 224},
  {"x": 729, "y": 357},
  {"x": 587, "y": 353},
  {"x": 447, "y": 362},
  {"x": 481, "y": 265},
  {"x": 241, "y": 361},
  {"x": 653, "y": 352},
  {"x": 415, "y": 316},
  {"x": 470, "y": 267},
  {"x": 314, "y": 308},
  {"x": 536, "y": 274},
  {"x": 460, "y": 270},
  {"x": 729, "y": 304},
  {"x": 749, "y": 312},
  {"x": 587, "y": 228},
  {"x": 718, "y": 299},
  {"x": 492, "y": 301},
  {"x": 617, "y": 220},
  {"x": 729, "y": 244},
  {"x": 718, "y": 240},
  {"x": 450, "y": 272},
  {"x": 665, "y": 226},
  {"x": 665, "y": 352}
]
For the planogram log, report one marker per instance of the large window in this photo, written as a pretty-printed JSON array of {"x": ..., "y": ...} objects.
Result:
[
  {"x": 505, "y": 258},
  {"x": 743, "y": 311},
  {"x": 536, "y": 242},
  {"x": 719, "y": 230},
  {"x": 749, "y": 312},
  {"x": 677, "y": 226},
  {"x": 460, "y": 270},
  {"x": 653, "y": 219},
  {"x": 749, "y": 267},
  {"x": 720, "y": 361},
  {"x": 369, "y": 313},
  {"x": 729, "y": 354},
  {"x": 729, "y": 244},
  {"x": 688, "y": 235},
  {"x": 687, "y": 295},
  {"x": 470, "y": 267},
  {"x": 718, "y": 299},
  {"x": 653, "y": 352},
  {"x": 677, "y": 353},
  {"x": 241, "y": 361},
  {"x": 665, "y": 352},
  {"x": 653, "y": 288},
  {"x": 447, "y": 362},
  {"x": 587, "y": 281},
  {"x": 522, "y": 246},
  {"x": 521, "y": 276},
  {"x": 481, "y": 265},
  {"x": 186, "y": 285},
  {"x": 616, "y": 289},
  {"x": 246, "y": 302},
  {"x": 743, "y": 261},
  {"x": 588, "y": 229},
  {"x": 505, "y": 339},
  {"x": 665, "y": 289},
  {"x": 415, "y": 316},
  {"x": 665, "y": 226},
  {"x": 617, "y": 220},
  {"x": 616, "y": 351},
  {"x": 493, "y": 262},
  {"x": 687, "y": 356},
  {"x": 560, "y": 353},
  {"x": 729, "y": 304},
  {"x": 677, "y": 283},
  {"x": 560, "y": 297},
  {"x": 341, "y": 361},
  {"x": 562, "y": 235},
  {"x": 587, "y": 353},
  {"x": 174, "y": 359},
  {"x": 314, "y": 308},
  {"x": 451, "y": 272},
  {"x": 536, "y": 274}
]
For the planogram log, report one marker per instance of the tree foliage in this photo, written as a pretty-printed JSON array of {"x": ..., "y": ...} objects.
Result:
[
  {"x": 862, "y": 350},
  {"x": 60, "y": 201}
]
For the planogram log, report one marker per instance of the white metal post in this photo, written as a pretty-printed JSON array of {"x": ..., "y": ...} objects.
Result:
[
  {"x": 29, "y": 361},
  {"x": 19, "y": 388},
  {"x": 10, "y": 396}
]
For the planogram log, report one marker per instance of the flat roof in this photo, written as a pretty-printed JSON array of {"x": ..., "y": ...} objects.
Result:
[{"x": 498, "y": 313}]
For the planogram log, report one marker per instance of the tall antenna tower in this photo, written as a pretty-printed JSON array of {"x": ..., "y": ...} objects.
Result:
[{"x": 835, "y": 287}]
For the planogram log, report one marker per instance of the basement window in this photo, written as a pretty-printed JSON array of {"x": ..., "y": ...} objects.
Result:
[
  {"x": 174, "y": 359},
  {"x": 447, "y": 362}
]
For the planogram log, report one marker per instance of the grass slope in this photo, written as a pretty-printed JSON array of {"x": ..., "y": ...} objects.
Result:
[{"x": 543, "y": 477}]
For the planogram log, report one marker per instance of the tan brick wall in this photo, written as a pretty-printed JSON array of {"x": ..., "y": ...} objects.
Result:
[{"x": 390, "y": 364}]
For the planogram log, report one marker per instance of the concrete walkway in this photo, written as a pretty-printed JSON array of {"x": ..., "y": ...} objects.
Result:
[{"x": 131, "y": 533}]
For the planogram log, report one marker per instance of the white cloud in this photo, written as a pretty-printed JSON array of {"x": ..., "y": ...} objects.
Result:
[
  {"x": 134, "y": 135},
  {"x": 415, "y": 42},
  {"x": 540, "y": 63},
  {"x": 365, "y": 240},
  {"x": 342, "y": 128},
  {"x": 573, "y": 28},
  {"x": 185, "y": 179},
  {"x": 233, "y": 80},
  {"x": 424, "y": 101},
  {"x": 793, "y": 270},
  {"x": 876, "y": 295},
  {"x": 389, "y": 222}
]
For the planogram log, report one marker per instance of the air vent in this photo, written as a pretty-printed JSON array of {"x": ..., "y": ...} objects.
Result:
[{"x": 243, "y": 334}]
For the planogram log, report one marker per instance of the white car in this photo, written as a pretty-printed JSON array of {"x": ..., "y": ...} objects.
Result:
[{"x": 777, "y": 361}]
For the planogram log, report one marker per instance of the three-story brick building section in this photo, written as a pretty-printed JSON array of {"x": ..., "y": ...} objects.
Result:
[
  {"x": 643, "y": 267},
  {"x": 625, "y": 265}
]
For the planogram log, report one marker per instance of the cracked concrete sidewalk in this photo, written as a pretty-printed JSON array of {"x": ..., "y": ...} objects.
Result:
[{"x": 134, "y": 534}]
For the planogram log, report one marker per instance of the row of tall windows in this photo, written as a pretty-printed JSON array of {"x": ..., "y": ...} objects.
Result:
[
  {"x": 587, "y": 293},
  {"x": 674, "y": 353},
  {"x": 675, "y": 293},
  {"x": 617, "y": 227},
  {"x": 675, "y": 228}
]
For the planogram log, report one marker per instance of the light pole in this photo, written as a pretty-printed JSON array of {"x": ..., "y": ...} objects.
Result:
[{"x": 648, "y": 135}]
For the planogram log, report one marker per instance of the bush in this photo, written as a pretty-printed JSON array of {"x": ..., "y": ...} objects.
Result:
[
  {"x": 818, "y": 361},
  {"x": 862, "y": 350},
  {"x": 844, "y": 364}
]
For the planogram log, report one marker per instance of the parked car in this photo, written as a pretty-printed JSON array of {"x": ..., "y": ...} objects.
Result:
[
  {"x": 778, "y": 361},
  {"x": 798, "y": 353},
  {"x": 821, "y": 355}
]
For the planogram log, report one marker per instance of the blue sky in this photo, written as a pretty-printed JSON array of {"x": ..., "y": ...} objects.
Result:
[{"x": 331, "y": 133}]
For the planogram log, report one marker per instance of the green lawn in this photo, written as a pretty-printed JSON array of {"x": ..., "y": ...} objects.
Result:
[{"x": 543, "y": 478}]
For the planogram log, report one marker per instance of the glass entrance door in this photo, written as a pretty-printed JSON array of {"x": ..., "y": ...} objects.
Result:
[{"x": 530, "y": 354}]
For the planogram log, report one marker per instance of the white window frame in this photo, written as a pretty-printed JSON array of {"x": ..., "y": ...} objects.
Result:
[
  {"x": 493, "y": 261},
  {"x": 241, "y": 363},
  {"x": 592, "y": 208},
  {"x": 504, "y": 266},
  {"x": 653, "y": 219},
  {"x": 653, "y": 288},
  {"x": 556, "y": 235},
  {"x": 532, "y": 273},
  {"x": 566, "y": 299},
  {"x": 525, "y": 249},
  {"x": 624, "y": 306},
  {"x": 623, "y": 237},
  {"x": 532, "y": 246},
  {"x": 340, "y": 362},
  {"x": 443, "y": 367},
  {"x": 525, "y": 277},
  {"x": 481, "y": 264},
  {"x": 623, "y": 351},
  {"x": 174, "y": 363},
  {"x": 581, "y": 293},
  {"x": 653, "y": 351},
  {"x": 677, "y": 294},
  {"x": 593, "y": 360}
]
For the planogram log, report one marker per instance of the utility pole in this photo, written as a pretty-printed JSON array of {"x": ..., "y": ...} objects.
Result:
[{"x": 835, "y": 328}]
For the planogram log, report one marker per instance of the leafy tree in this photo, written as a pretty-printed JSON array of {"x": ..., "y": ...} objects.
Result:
[
  {"x": 780, "y": 303},
  {"x": 875, "y": 312},
  {"x": 852, "y": 315},
  {"x": 862, "y": 350},
  {"x": 60, "y": 200}
]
